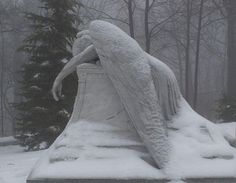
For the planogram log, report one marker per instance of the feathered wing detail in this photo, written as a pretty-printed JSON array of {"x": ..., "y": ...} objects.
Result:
[
  {"x": 128, "y": 67},
  {"x": 167, "y": 88}
]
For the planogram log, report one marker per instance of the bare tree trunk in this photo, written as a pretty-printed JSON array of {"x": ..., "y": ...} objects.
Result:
[
  {"x": 231, "y": 47},
  {"x": 2, "y": 81},
  {"x": 180, "y": 66},
  {"x": 187, "y": 49},
  {"x": 146, "y": 26},
  {"x": 197, "y": 55},
  {"x": 131, "y": 20}
]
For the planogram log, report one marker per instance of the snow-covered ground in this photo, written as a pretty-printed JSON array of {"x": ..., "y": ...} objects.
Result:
[
  {"x": 7, "y": 139},
  {"x": 15, "y": 164}
]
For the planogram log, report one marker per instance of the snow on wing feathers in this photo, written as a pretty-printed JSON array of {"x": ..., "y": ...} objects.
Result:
[
  {"x": 133, "y": 81},
  {"x": 166, "y": 86}
]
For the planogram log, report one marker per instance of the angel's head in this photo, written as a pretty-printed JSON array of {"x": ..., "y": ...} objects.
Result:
[{"x": 83, "y": 40}]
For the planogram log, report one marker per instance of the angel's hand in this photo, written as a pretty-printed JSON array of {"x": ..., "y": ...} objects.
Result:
[{"x": 56, "y": 90}]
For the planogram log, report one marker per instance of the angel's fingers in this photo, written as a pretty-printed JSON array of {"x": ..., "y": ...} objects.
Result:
[{"x": 54, "y": 95}]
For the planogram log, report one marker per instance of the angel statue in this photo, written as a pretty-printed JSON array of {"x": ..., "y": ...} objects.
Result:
[{"x": 146, "y": 86}]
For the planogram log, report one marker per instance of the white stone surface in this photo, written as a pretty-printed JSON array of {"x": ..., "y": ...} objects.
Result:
[
  {"x": 98, "y": 119},
  {"x": 109, "y": 148},
  {"x": 129, "y": 69},
  {"x": 99, "y": 138}
]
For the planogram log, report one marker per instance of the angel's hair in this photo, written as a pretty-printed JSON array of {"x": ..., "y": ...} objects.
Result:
[{"x": 83, "y": 40}]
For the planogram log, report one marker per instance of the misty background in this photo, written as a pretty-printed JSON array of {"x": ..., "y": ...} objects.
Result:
[{"x": 195, "y": 38}]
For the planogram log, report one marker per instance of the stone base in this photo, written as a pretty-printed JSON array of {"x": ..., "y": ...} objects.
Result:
[
  {"x": 191, "y": 180},
  {"x": 100, "y": 144}
]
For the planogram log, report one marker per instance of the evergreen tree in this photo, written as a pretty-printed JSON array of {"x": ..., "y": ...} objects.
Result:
[{"x": 41, "y": 119}]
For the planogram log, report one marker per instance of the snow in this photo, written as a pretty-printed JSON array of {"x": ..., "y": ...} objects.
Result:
[
  {"x": 7, "y": 139},
  {"x": 198, "y": 148},
  {"x": 39, "y": 108},
  {"x": 141, "y": 81},
  {"x": 95, "y": 150},
  {"x": 15, "y": 163},
  {"x": 102, "y": 143},
  {"x": 34, "y": 87},
  {"x": 36, "y": 76},
  {"x": 64, "y": 112},
  {"x": 45, "y": 63},
  {"x": 194, "y": 154},
  {"x": 64, "y": 60}
]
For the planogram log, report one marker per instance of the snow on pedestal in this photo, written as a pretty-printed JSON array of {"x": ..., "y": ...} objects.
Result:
[
  {"x": 99, "y": 140},
  {"x": 100, "y": 144}
]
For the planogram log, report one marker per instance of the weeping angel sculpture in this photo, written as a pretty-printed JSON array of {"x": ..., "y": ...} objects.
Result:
[{"x": 147, "y": 87}]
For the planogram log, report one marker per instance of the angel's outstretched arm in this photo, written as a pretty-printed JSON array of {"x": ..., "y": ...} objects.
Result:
[{"x": 88, "y": 55}]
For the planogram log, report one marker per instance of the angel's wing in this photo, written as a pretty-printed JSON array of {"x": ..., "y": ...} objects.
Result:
[{"x": 128, "y": 67}]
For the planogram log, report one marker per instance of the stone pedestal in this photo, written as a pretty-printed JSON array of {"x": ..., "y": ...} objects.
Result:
[
  {"x": 98, "y": 140},
  {"x": 99, "y": 144}
]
